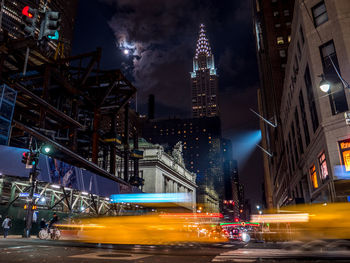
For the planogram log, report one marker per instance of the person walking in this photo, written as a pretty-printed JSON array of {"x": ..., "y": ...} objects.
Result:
[{"x": 6, "y": 224}]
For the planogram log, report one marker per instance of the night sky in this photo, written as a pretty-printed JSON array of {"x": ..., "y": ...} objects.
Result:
[{"x": 161, "y": 37}]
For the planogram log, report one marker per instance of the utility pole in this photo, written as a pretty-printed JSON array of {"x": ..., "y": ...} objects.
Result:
[{"x": 33, "y": 157}]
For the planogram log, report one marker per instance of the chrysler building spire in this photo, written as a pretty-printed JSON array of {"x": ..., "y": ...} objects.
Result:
[
  {"x": 203, "y": 46},
  {"x": 204, "y": 80}
]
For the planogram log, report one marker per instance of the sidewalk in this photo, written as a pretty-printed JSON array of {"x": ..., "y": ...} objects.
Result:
[
  {"x": 18, "y": 237},
  {"x": 31, "y": 237}
]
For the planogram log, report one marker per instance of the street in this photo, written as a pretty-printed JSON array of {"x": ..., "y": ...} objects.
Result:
[{"x": 16, "y": 249}]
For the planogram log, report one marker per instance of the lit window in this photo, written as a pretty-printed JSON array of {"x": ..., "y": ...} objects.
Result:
[
  {"x": 280, "y": 41},
  {"x": 313, "y": 176},
  {"x": 319, "y": 13},
  {"x": 282, "y": 53},
  {"x": 286, "y": 12},
  {"x": 277, "y": 25},
  {"x": 288, "y": 24},
  {"x": 289, "y": 39},
  {"x": 323, "y": 167},
  {"x": 209, "y": 137},
  {"x": 275, "y": 13}
]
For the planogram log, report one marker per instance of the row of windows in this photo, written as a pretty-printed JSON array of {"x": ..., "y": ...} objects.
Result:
[
  {"x": 324, "y": 176},
  {"x": 337, "y": 99},
  {"x": 280, "y": 40},
  {"x": 285, "y": 13}
]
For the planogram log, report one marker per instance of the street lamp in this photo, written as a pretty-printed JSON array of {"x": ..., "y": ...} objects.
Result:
[
  {"x": 47, "y": 149},
  {"x": 258, "y": 207},
  {"x": 324, "y": 84}
]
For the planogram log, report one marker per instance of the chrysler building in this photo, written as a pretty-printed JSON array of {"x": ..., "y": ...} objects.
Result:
[{"x": 204, "y": 80}]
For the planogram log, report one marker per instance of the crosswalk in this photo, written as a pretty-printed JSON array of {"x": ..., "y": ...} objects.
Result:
[{"x": 251, "y": 255}]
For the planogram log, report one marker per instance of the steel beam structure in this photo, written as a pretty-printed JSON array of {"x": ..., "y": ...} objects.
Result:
[{"x": 70, "y": 103}]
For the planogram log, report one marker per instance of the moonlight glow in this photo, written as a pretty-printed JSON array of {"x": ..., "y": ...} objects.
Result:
[{"x": 126, "y": 51}]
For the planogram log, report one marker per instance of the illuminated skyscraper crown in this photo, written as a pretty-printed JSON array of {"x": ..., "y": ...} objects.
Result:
[{"x": 203, "y": 46}]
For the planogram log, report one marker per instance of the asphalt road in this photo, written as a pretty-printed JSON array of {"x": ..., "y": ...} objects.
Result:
[{"x": 36, "y": 251}]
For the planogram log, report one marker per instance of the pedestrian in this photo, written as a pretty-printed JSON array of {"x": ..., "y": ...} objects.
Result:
[{"x": 6, "y": 224}]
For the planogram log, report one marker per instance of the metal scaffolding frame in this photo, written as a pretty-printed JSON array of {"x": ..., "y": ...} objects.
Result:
[{"x": 73, "y": 105}]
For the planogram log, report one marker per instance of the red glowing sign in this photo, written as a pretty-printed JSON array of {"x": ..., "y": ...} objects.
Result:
[
  {"x": 25, "y": 12},
  {"x": 194, "y": 215}
]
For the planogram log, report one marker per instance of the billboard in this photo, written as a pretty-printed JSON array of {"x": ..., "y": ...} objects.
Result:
[{"x": 61, "y": 173}]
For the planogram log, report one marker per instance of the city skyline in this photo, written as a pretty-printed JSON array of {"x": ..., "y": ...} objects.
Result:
[{"x": 167, "y": 59}]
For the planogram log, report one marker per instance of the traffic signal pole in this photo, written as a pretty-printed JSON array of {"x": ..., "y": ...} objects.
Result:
[
  {"x": 30, "y": 210},
  {"x": 33, "y": 180}
]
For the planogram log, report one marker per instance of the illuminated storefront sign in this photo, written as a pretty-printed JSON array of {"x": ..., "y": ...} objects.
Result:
[{"x": 345, "y": 154}]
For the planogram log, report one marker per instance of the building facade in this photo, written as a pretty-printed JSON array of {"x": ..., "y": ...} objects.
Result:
[
  {"x": 316, "y": 133},
  {"x": 166, "y": 173},
  {"x": 201, "y": 138},
  {"x": 204, "y": 79},
  {"x": 272, "y": 29}
]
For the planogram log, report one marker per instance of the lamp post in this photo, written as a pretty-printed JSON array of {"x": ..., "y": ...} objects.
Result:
[{"x": 325, "y": 85}]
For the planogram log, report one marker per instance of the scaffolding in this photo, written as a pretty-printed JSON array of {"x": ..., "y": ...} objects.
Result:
[{"x": 73, "y": 105}]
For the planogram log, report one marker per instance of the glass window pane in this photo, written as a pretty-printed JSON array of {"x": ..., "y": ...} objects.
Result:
[
  {"x": 321, "y": 19},
  {"x": 320, "y": 10}
]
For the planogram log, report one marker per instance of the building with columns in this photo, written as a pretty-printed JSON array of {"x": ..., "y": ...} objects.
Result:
[{"x": 166, "y": 173}]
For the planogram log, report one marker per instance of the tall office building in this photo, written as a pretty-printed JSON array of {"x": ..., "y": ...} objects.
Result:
[
  {"x": 12, "y": 19},
  {"x": 204, "y": 80},
  {"x": 272, "y": 29}
]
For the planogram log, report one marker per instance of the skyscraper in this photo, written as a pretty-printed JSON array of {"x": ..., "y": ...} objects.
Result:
[
  {"x": 272, "y": 28},
  {"x": 204, "y": 80}
]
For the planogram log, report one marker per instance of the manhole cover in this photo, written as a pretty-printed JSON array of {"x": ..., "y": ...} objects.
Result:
[{"x": 114, "y": 255}]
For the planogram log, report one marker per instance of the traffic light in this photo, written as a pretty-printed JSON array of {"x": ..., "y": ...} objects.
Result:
[
  {"x": 25, "y": 157},
  {"x": 29, "y": 17},
  {"x": 34, "y": 158},
  {"x": 50, "y": 25}
]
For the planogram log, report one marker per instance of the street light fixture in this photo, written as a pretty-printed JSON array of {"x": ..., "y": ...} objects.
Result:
[
  {"x": 324, "y": 84},
  {"x": 47, "y": 149},
  {"x": 258, "y": 207}
]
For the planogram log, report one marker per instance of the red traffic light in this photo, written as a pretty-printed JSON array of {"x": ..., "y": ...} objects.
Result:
[{"x": 25, "y": 12}]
